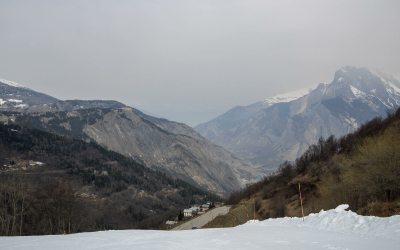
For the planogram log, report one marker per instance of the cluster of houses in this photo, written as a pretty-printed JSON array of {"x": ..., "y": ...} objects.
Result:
[
  {"x": 194, "y": 211},
  {"x": 199, "y": 210},
  {"x": 23, "y": 165}
]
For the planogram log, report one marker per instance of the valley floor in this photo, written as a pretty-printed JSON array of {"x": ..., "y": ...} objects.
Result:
[{"x": 333, "y": 229}]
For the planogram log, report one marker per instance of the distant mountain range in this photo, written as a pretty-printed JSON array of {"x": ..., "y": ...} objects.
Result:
[
  {"x": 282, "y": 127},
  {"x": 171, "y": 147},
  {"x": 16, "y": 97}
]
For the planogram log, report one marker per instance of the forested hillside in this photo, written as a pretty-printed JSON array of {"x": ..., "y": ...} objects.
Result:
[
  {"x": 361, "y": 169},
  {"x": 49, "y": 181}
]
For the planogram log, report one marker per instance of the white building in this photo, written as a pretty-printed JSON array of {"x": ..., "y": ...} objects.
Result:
[
  {"x": 187, "y": 212},
  {"x": 195, "y": 208}
]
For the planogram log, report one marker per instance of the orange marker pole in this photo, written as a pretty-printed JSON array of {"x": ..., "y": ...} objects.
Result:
[{"x": 301, "y": 201}]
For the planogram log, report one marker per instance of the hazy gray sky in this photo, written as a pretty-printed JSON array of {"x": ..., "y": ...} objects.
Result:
[{"x": 191, "y": 61}]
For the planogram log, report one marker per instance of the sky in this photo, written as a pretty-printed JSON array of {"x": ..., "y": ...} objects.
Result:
[{"x": 191, "y": 61}]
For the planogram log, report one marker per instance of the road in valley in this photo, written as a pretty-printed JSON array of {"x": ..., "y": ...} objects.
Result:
[{"x": 201, "y": 220}]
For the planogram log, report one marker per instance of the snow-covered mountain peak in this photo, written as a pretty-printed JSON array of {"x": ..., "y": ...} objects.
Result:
[
  {"x": 291, "y": 96},
  {"x": 13, "y": 84},
  {"x": 365, "y": 84}
]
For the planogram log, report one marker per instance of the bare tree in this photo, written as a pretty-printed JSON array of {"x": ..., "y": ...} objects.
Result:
[{"x": 15, "y": 193}]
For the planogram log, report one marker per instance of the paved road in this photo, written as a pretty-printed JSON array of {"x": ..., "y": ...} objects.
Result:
[{"x": 203, "y": 219}]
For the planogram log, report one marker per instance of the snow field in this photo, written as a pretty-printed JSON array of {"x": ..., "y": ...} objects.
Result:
[{"x": 333, "y": 229}]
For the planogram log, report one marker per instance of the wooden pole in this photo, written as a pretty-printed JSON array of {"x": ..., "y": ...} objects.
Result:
[
  {"x": 301, "y": 202},
  {"x": 247, "y": 213},
  {"x": 254, "y": 210}
]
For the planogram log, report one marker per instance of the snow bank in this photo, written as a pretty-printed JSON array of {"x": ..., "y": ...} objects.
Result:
[
  {"x": 342, "y": 221},
  {"x": 333, "y": 229}
]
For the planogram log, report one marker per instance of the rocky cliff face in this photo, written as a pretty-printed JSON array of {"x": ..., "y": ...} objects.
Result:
[
  {"x": 160, "y": 144},
  {"x": 285, "y": 130}
]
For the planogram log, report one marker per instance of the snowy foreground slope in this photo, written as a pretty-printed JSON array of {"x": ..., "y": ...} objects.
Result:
[{"x": 333, "y": 229}]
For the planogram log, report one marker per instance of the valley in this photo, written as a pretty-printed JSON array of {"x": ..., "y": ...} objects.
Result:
[{"x": 113, "y": 155}]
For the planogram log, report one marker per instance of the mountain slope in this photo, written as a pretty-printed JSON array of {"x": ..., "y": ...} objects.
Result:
[
  {"x": 238, "y": 115},
  {"x": 285, "y": 130},
  {"x": 184, "y": 153},
  {"x": 14, "y": 96},
  {"x": 193, "y": 159},
  {"x": 46, "y": 179}
]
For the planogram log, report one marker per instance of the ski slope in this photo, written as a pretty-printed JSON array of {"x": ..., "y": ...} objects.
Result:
[{"x": 333, "y": 229}]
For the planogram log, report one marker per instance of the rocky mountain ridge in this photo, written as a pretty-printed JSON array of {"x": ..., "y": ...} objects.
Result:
[
  {"x": 239, "y": 114},
  {"x": 187, "y": 155},
  {"x": 285, "y": 130},
  {"x": 167, "y": 146},
  {"x": 16, "y": 97}
]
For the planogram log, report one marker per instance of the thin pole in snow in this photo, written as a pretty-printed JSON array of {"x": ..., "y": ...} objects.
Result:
[{"x": 301, "y": 201}]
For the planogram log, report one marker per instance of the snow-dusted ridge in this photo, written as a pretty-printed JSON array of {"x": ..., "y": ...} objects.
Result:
[
  {"x": 387, "y": 79},
  {"x": 357, "y": 93},
  {"x": 13, "y": 84},
  {"x": 291, "y": 96},
  {"x": 332, "y": 229}
]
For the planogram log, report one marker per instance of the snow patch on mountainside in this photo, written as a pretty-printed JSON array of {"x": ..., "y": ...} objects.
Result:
[
  {"x": 14, "y": 100},
  {"x": 291, "y": 96},
  {"x": 12, "y": 84},
  {"x": 21, "y": 106},
  {"x": 386, "y": 79},
  {"x": 358, "y": 93},
  {"x": 394, "y": 87}
]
